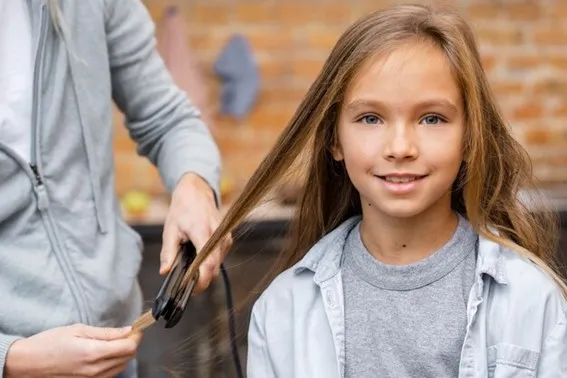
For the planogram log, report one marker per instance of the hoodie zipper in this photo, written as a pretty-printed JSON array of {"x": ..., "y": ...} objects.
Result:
[{"x": 39, "y": 186}]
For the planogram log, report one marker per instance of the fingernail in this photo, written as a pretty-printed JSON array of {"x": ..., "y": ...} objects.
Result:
[
  {"x": 163, "y": 263},
  {"x": 126, "y": 329}
]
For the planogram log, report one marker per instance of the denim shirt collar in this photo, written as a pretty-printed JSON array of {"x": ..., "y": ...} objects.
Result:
[{"x": 324, "y": 258}]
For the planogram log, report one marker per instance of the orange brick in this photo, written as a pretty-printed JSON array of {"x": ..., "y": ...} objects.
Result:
[
  {"x": 207, "y": 40},
  {"x": 363, "y": 7},
  {"x": 156, "y": 9},
  {"x": 298, "y": 13},
  {"x": 537, "y": 137},
  {"x": 120, "y": 130},
  {"x": 528, "y": 111},
  {"x": 559, "y": 62},
  {"x": 559, "y": 160},
  {"x": 272, "y": 116},
  {"x": 255, "y": 12},
  {"x": 273, "y": 67},
  {"x": 488, "y": 62},
  {"x": 124, "y": 173},
  {"x": 524, "y": 11},
  {"x": 150, "y": 180},
  {"x": 124, "y": 144},
  {"x": 205, "y": 13},
  {"x": 542, "y": 136},
  {"x": 484, "y": 10},
  {"x": 551, "y": 87},
  {"x": 552, "y": 36},
  {"x": 561, "y": 112},
  {"x": 284, "y": 95},
  {"x": 557, "y": 10},
  {"x": 524, "y": 62},
  {"x": 322, "y": 39},
  {"x": 270, "y": 39},
  {"x": 307, "y": 68},
  {"x": 507, "y": 88},
  {"x": 500, "y": 35},
  {"x": 242, "y": 150}
]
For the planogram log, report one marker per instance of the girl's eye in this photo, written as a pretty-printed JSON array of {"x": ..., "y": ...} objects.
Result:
[
  {"x": 432, "y": 119},
  {"x": 370, "y": 119}
]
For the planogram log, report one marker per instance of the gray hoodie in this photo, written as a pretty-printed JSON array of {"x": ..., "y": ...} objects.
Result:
[{"x": 66, "y": 254}]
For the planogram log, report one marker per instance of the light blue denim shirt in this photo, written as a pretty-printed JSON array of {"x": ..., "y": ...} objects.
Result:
[{"x": 516, "y": 318}]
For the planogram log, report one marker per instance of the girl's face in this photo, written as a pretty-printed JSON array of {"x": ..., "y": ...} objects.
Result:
[{"x": 401, "y": 131}]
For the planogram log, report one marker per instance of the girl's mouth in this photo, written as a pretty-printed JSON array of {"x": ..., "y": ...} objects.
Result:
[
  {"x": 402, "y": 184},
  {"x": 401, "y": 179}
]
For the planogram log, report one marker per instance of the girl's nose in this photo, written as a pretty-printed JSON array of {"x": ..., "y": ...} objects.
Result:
[{"x": 400, "y": 143}]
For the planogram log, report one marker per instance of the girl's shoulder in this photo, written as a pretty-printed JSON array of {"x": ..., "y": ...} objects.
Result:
[
  {"x": 300, "y": 283},
  {"x": 522, "y": 293},
  {"x": 526, "y": 278}
]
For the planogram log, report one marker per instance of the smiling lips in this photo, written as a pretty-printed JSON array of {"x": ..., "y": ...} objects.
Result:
[{"x": 401, "y": 183}]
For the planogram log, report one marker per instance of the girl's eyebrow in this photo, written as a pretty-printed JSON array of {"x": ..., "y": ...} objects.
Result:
[
  {"x": 441, "y": 102},
  {"x": 360, "y": 104}
]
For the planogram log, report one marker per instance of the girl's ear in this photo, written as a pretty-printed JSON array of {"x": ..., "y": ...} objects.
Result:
[{"x": 337, "y": 151}]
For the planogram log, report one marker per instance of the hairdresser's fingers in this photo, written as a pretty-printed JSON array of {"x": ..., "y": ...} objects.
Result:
[
  {"x": 103, "y": 350},
  {"x": 100, "y": 333},
  {"x": 217, "y": 256},
  {"x": 224, "y": 245},
  {"x": 107, "y": 369},
  {"x": 227, "y": 244},
  {"x": 116, "y": 363},
  {"x": 114, "y": 370},
  {"x": 171, "y": 239},
  {"x": 199, "y": 236},
  {"x": 206, "y": 276}
]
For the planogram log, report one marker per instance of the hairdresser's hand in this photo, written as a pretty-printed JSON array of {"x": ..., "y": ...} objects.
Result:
[
  {"x": 77, "y": 351},
  {"x": 193, "y": 216}
]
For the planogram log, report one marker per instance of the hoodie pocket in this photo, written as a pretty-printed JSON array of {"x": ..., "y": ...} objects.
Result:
[
  {"x": 130, "y": 231},
  {"x": 511, "y": 361}
]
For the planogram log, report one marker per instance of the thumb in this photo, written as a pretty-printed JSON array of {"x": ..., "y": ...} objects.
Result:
[
  {"x": 103, "y": 333},
  {"x": 169, "y": 248}
]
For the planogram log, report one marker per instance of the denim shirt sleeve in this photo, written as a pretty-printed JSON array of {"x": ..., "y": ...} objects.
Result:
[
  {"x": 259, "y": 364},
  {"x": 553, "y": 360}
]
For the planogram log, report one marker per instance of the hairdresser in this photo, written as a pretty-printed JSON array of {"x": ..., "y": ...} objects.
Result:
[{"x": 68, "y": 261}]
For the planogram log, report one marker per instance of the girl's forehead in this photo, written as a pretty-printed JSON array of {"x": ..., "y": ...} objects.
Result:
[{"x": 412, "y": 71}]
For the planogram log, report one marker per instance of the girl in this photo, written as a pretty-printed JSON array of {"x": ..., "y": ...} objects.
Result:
[{"x": 411, "y": 255}]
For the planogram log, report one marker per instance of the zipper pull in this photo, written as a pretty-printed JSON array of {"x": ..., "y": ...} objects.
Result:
[
  {"x": 39, "y": 189},
  {"x": 36, "y": 173}
]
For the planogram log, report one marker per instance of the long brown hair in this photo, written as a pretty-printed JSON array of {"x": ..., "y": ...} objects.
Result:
[{"x": 495, "y": 169}]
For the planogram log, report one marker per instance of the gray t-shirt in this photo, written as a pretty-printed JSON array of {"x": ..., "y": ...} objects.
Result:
[{"x": 407, "y": 321}]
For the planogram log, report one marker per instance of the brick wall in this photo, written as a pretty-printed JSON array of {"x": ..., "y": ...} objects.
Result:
[{"x": 523, "y": 43}]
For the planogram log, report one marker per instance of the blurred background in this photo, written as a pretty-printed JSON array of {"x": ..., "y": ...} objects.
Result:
[{"x": 282, "y": 46}]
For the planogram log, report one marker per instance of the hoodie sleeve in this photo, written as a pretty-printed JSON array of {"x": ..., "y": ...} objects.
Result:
[
  {"x": 6, "y": 342},
  {"x": 165, "y": 124}
]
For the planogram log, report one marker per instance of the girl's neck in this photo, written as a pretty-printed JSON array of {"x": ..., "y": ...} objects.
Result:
[{"x": 402, "y": 241}]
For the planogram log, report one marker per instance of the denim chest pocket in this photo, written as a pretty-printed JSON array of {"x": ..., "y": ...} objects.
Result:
[{"x": 511, "y": 361}]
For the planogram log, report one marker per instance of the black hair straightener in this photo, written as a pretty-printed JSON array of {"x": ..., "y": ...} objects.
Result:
[{"x": 173, "y": 296}]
